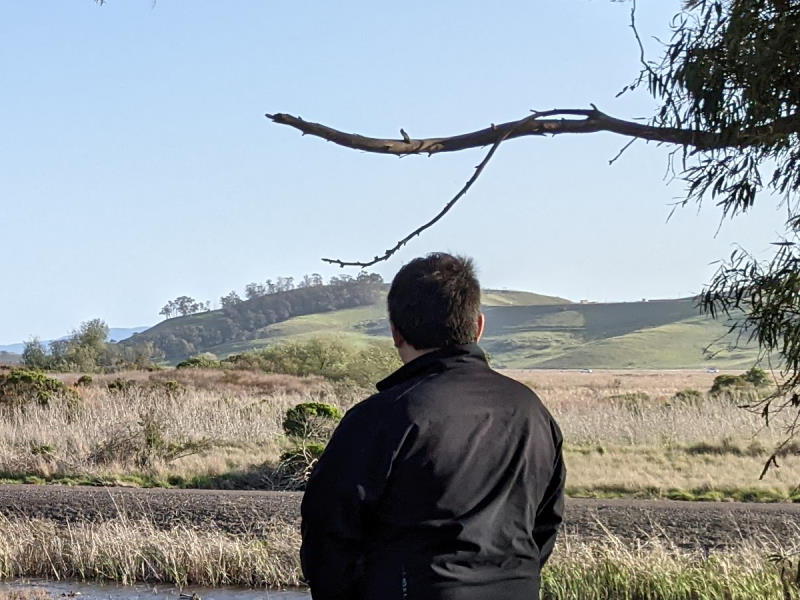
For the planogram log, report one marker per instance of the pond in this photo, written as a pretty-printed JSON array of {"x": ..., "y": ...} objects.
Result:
[{"x": 101, "y": 591}]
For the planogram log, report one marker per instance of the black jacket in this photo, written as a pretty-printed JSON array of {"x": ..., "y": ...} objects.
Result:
[{"x": 447, "y": 484}]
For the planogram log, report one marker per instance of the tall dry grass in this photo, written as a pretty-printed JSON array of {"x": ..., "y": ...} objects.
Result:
[
  {"x": 625, "y": 433},
  {"x": 623, "y": 438},
  {"x": 224, "y": 422}
]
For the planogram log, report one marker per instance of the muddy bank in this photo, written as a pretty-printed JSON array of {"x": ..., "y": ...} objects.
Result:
[{"x": 685, "y": 524}]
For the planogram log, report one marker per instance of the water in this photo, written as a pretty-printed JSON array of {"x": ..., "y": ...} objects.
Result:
[{"x": 101, "y": 591}]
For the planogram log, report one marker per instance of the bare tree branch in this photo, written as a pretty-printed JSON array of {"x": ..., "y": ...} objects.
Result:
[
  {"x": 540, "y": 123},
  {"x": 589, "y": 120},
  {"x": 431, "y": 223}
]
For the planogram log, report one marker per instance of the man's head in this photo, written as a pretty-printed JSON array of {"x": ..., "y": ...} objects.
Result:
[{"x": 434, "y": 301}]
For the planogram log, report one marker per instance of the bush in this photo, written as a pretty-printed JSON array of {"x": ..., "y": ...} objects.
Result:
[
  {"x": 311, "y": 420},
  {"x": 207, "y": 360},
  {"x": 634, "y": 402},
  {"x": 167, "y": 387},
  {"x": 748, "y": 382},
  {"x": 84, "y": 381},
  {"x": 119, "y": 385},
  {"x": 296, "y": 465},
  {"x": 147, "y": 444},
  {"x": 18, "y": 387},
  {"x": 326, "y": 357},
  {"x": 687, "y": 396},
  {"x": 758, "y": 377}
]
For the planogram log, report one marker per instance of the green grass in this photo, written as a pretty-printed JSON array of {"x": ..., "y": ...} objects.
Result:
[
  {"x": 670, "y": 346},
  {"x": 248, "y": 479},
  {"x": 611, "y": 570},
  {"x": 526, "y": 330},
  {"x": 544, "y": 337},
  {"x": 517, "y": 298},
  {"x": 744, "y": 494}
]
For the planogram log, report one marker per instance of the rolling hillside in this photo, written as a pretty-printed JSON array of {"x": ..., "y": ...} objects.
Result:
[
  {"x": 524, "y": 330},
  {"x": 662, "y": 334}
]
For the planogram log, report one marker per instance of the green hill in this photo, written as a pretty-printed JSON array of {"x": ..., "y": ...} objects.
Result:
[
  {"x": 363, "y": 324},
  {"x": 243, "y": 322},
  {"x": 524, "y": 330}
]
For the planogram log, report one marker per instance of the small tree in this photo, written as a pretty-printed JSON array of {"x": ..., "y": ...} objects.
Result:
[
  {"x": 35, "y": 356},
  {"x": 254, "y": 290},
  {"x": 231, "y": 299},
  {"x": 167, "y": 310}
]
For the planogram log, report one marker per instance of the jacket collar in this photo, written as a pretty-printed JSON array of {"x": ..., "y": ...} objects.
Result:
[{"x": 438, "y": 360}]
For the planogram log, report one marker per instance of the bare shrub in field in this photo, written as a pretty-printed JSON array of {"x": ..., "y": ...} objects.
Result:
[{"x": 148, "y": 443}]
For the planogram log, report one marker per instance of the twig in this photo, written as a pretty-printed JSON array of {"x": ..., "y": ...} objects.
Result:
[
  {"x": 429, "y": 224},
  {"x": 622, "y": 151}
]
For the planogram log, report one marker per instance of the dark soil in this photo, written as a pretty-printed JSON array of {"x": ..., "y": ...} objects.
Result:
[{"x": 685, "y": 524}]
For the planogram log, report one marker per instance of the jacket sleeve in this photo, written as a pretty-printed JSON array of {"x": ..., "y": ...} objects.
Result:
[
  {"x": 348, "y": 478},
  {"x": 550, "y": 513}
]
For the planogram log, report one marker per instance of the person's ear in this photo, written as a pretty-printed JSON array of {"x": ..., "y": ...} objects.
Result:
[
  {"x": 397, "y": 337},
  {"x": 481, "y": 326}
]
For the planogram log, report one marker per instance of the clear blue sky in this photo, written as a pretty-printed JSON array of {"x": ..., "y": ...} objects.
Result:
[{"x": 137, "y": 164}]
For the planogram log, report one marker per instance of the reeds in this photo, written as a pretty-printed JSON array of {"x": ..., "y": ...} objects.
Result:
[
  {"x": 612, "y": 570},
  {"x": 130, "y": 551}
]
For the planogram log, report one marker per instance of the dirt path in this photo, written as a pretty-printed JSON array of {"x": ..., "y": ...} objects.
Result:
[{"x": 687, "y": 524}]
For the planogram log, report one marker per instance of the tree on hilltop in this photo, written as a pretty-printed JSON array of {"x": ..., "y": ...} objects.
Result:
[
  {"x": 230, "y": 299},
  {"x": 254, "y": 290},
  {"x": 183, "y": 306}
]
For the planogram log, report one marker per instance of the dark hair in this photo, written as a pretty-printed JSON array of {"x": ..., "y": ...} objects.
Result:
[{"x": 434, "y": 301}]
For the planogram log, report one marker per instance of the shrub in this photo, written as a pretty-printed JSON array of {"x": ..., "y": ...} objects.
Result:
[
  {"x": 295, "y": 466},
  {"x": 84, "y": 381},
  {"x": 729, "y": 384},
  {"x": 687, "y": 396},
  {"x": 631, "y": 401},
  {"x": 207, "y": 360},
  {"x": 758, "y": 377},
  {"x": 326, "y": 357},
  {"x": 18, "y": 387},
  {"x": 119, "y": 385},
  {"x": 311, "y": 420},
  {"x": 748, "y": 382},
  {"x": 148, "y": 443},
  {"x": 168, "y": 387}
]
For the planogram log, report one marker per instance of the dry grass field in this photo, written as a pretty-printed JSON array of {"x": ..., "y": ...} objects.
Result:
[{"x": 625, "y": 433}]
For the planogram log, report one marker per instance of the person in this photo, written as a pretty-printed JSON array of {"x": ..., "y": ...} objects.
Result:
[{"x": 448, "y": 484}]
